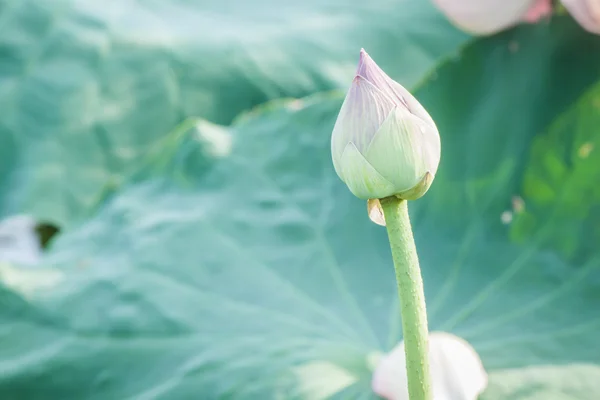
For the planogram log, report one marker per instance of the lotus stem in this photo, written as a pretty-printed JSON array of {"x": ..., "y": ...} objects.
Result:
[{"x": 412, "y": 297}]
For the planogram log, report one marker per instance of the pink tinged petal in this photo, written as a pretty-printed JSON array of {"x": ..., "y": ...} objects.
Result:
[
  {"x": 456, "y": 370},
  {"x": 539, "y": 10},
  {"x": 586, "y": 12},
  {"x": 484, "y": 17},
  {"x": 368, "y": 69},
  {"x": 364, "y": 110},
  {"x": 383, "y": 129},
  {"x": 361, "y": 178}
]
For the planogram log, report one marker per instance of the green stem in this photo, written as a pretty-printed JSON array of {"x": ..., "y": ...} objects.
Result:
[{"x": 412, "y": 298}]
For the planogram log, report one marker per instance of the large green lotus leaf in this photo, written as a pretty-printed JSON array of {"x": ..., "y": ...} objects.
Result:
[
  {"x": 563, "y": 182},
  {"x": 238, "y": 266},
  {"x": 87, "y": 86}
]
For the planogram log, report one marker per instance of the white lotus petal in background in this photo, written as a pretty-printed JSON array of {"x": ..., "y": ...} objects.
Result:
[
  {"x": 456, "y": 370},
  {"x": 484, "y": 17},
  {"x": 19, "y": 243},
  {"x": 586, "y": 12},
  {"x": 29, "y": 281}
]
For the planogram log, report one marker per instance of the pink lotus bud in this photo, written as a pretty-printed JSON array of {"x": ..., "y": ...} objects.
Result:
[
  {"x": 383, "y": 143},
  {"x": 586, "y": 12}
]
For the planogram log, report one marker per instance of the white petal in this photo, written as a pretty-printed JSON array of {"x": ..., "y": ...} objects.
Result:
[
  {"x": 586, "y": 12},
  {"x": 19, "y": 243},
  {"x": 361, "y": 178},
  {"x": 456, "y": 370},
  {"x": 364, "y": 110},
  {"x": 484, "y": 16},
  {"x": 28, "y": 281},
  {"x": 404, "y": 149}
]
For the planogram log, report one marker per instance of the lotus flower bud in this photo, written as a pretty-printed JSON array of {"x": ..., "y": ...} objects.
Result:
[
  {"x": 484, "y": 17},
  {"x": 384, "y": 143},
  {"x": 586, "y": 12}
]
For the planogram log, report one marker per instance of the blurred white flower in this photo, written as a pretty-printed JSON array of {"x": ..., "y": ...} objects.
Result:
[
  {"x": 456, "y": 370},
  {"x": 19, "y": 243},
  {"x": 28, "y": 282},
  {"x": 485, "y": 17},
  {"x": 383, "y": 143},
  {"x": 586, "y": 12}
]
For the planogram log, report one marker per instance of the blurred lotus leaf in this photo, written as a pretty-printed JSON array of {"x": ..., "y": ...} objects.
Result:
[
  {"x": 231, "y": 263},
  {"x": 111, "y": 78}
]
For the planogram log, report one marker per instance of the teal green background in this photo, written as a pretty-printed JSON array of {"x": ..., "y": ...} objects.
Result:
[{"x": 207, "y": 249}]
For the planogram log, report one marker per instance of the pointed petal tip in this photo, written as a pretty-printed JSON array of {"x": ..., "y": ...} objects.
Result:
[{"x": 363, "y": 59}]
